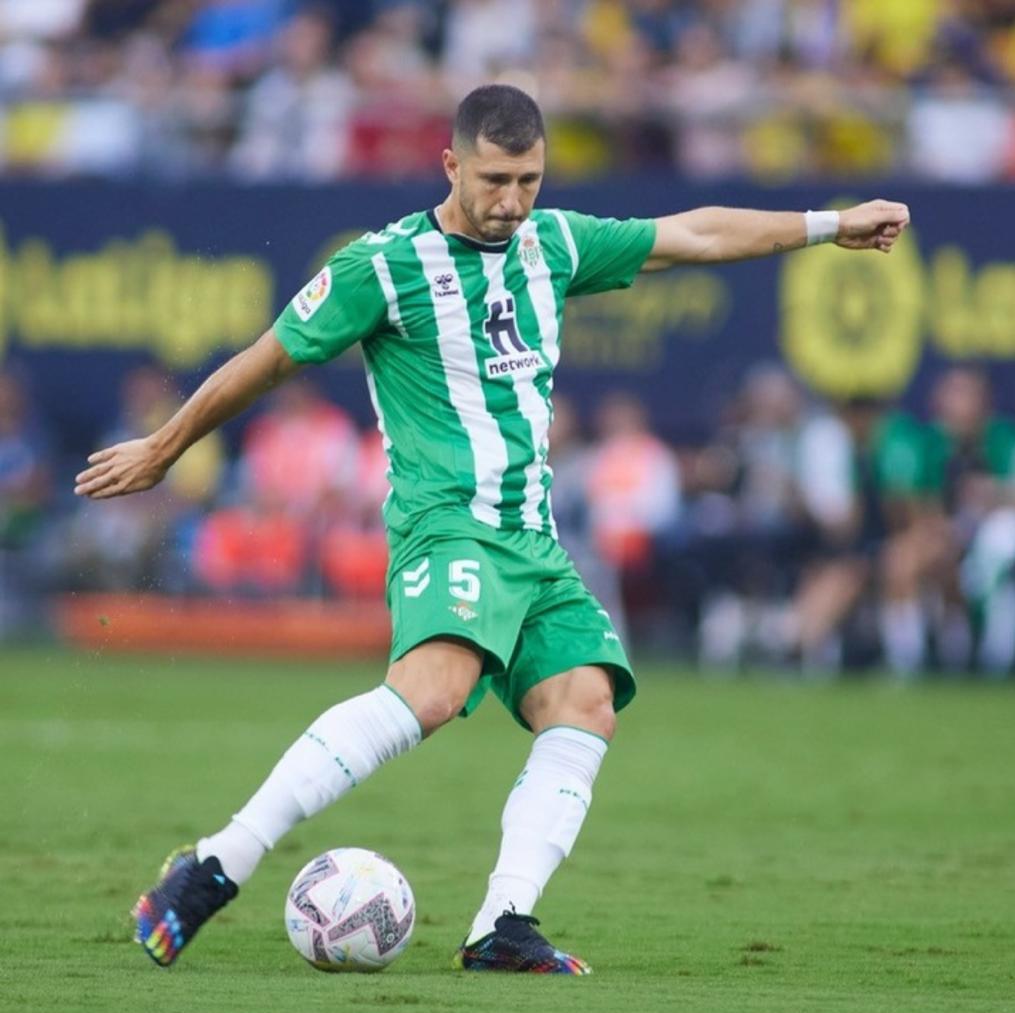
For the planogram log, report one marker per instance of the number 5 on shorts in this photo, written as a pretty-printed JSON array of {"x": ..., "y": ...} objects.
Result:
[{"x": 463, "y": 579}]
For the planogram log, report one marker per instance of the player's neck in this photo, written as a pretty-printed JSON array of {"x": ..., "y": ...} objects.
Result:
[{"x": 452, "y": 221}]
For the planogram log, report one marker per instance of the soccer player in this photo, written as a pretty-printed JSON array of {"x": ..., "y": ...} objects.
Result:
[{"x": 458, "y": 309}]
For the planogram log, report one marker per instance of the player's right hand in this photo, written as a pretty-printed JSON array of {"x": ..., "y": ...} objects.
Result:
[
  {"x": 120, "y": 470},
  {"x": 875, "y": 225}
]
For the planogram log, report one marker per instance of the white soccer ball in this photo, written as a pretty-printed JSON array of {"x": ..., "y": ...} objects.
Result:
[{"x": 349, "y": 910}]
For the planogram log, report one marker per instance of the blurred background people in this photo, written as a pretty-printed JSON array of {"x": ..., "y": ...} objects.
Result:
[
  {"x": 25, "y": 494},
  {"x": 319, "y": 90},
  {"x": 783, "y": 530}
]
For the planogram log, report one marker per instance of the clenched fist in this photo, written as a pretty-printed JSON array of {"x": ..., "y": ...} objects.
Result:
[{"x": 874, "y": 225}]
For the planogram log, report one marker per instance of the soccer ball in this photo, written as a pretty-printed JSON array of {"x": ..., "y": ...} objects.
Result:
[{"x": 349, "y": 910}]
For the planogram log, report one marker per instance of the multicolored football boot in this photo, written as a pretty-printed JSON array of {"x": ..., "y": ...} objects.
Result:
[
  {"x": 515, "y": 945},
  {"x": 187, "y": 894}
]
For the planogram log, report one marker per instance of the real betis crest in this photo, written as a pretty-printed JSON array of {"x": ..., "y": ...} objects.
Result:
[{"x": 529, "y": 251}]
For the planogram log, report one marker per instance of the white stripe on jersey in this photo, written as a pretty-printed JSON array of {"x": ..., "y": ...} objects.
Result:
[
  {"x": 383, "y": 273},
  {"x": 385, "y": 439},
  {"x": 530, "y": 403},
  {"x": 461, "y": 371},
  {"x": 565, "y": 230},
  {"x": 544, "y": 302}
]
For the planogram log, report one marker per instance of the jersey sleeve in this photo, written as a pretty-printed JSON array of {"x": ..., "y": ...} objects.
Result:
[
  {"x": 609, "y": 252},
  {"x": 342, "y": 304}
]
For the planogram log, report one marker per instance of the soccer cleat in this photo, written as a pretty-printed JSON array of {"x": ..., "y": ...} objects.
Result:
[
  {"x": 515, "y": 945},
  {"x": 187, "y": 894}
]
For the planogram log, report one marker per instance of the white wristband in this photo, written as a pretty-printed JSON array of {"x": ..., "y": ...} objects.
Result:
[{"x": 822, "y": 226}]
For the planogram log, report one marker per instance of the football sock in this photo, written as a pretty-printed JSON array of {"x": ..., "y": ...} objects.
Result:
[
  {"x": 997, "y": 647},
  {"x": 541, "y": 820},
  {"x": 343, "y": 747},
  {"x": 236, "y": 848},
  {"x": 903, "y": 635}
]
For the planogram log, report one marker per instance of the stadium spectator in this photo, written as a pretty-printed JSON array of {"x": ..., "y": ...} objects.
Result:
[
  {"x": 25, "y": 493},
  {"x": 859, "y": 469},
  {"x": 971, "y": 450},
  {"x": 299, "y": 470},
  {"x": 633, "y": 484},
  {"x": 253, "y": 548},
  {"x": 24, "y": 471},
  {"x": 354, "y": 548},
  {"x": 231, "y": 37},
  {"x": 302, "y": 454},
  {"x": 748, "y": 522},
  {"x": 713, "y": 96},
  {"x": 570, "y": 458},
  {"x": 970, "y": 469},
  {"x": 959, "y": 130},
  {"x": 296, "y": 117},
  {"x": 400, "y": 124},
  {"x": 51, "y": 20},
  {"x": 988, "y": 582},
  {"x": 476, "y": 45}
]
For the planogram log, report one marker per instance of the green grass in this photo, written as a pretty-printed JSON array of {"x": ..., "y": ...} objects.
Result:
[{"x": 753, "y": 846}]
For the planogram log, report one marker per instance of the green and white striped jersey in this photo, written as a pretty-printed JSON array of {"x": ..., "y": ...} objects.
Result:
[{"x": 460, "y": 340}]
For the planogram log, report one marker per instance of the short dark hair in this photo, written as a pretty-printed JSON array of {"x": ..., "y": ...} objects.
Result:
[{"x": 501, "y": 113}]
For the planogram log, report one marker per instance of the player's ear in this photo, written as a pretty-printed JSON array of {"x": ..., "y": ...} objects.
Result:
[{"x": 452, "y": 165}]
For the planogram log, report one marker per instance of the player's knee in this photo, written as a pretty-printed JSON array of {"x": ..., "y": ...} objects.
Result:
[
  {"x": 438, "y": 709},
  {"x": 435, "y": 680},
  {"x": 597, "y": 714},
  {"x": 582, "y": 701}
]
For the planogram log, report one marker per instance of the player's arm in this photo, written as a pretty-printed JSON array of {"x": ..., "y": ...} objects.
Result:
[
  {"x": 714, "y": 234},
  {"x": 137, "y": 465}
]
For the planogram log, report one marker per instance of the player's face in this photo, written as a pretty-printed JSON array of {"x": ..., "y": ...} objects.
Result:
[{"x": 495, "y": 191}]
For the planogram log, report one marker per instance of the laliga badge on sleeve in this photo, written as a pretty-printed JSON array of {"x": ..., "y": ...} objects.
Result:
[{"x": 309, "y": 299}]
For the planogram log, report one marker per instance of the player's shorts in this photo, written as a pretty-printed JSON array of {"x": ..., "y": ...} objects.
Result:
[{"x": 514, "y": 594}]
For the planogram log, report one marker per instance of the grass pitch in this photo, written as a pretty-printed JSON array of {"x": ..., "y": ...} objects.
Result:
[{"x": 753, "y": 846}]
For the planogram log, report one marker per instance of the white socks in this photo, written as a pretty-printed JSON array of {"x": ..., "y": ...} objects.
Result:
[
  {"x": 343, "y": 747},
  {"x": 541, "y": 820},
  {"x": 903, "y": 635}
]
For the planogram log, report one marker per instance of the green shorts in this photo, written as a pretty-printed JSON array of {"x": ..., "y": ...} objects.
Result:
[{"x": 514, "y": 594}]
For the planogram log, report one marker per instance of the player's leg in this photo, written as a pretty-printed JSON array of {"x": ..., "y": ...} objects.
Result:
[
  {"x": 425, "y": 688},
  {"x": 345, "y": 745},
  {"x": 573, "y": 718},
  {"x": 566, "y": 679}
]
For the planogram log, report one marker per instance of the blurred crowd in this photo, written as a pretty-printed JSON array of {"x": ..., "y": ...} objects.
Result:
[
  {"x": 296, "y": 91},
  {"x": 808, "y": 536}
]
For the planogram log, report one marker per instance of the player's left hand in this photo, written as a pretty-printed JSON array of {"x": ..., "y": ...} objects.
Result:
[{"x": 875, "y": 225}]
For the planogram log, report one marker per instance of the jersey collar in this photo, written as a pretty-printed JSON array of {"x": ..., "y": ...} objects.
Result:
[{"x": 472, "y": 244}]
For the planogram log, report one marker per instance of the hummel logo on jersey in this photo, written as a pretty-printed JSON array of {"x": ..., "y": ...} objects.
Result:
[
  {"x": 444, "y": 284},
  {"x": 416, "y": 581}
]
